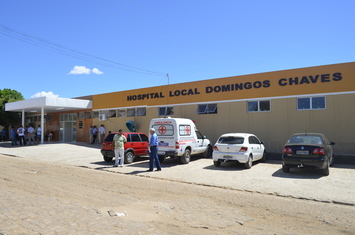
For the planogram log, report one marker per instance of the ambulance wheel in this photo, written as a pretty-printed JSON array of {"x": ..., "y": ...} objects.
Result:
[
  {"x": 161, "y": 158},
  {"x": 208, "y": 153},
  {"x": 186, "y": 157}
]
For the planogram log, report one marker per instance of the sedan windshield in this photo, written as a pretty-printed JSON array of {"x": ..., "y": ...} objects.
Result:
[
  {"x": 305, "y": 139},
  {"x": 231, "y": 140}
]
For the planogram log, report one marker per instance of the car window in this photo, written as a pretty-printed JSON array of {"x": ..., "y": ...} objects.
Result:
[
  {"x": 164, "y": 129},
  {"x": 109, "y": 138},
  {"x": 185, "y": 130},
  {"x": 231, "y": 140},
  {"x": 326, "y": 141},
  {"x": 305, "y": 139},
  {"x": 144, "y": 137},
  {"x": 199, "y": 135},
  {"x": 255, "y": 140},
  {"x": 135, "y": 138}
]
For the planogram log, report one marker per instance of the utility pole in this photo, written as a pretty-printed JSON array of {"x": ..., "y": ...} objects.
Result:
[{"x": 168, "y": 78}]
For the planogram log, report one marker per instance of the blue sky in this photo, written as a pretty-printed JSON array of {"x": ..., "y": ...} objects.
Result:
[{"x": 73, "y": 48}]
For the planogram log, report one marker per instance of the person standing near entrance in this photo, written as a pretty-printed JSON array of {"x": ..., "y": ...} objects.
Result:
[
  {"x": 13, "y": 136},
  {"x": 94, "y": 134},
  {"x": 119, "y": 140},
  {"x": 30, "y": 135},
  {"x": 39, "y": 133},
  {"x": 153, "y": 144},
  {"x": 102, "y": 133},
  {"x": 21, "y": 135}
]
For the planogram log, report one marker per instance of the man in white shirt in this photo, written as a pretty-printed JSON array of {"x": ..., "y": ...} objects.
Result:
[
  {"x": 21, "y": 135},
  {"x": 102, "y": 133}
]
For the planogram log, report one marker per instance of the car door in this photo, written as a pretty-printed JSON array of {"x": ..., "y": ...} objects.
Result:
[
  {"x": 145, "y": 142},
  {"x": 255, "y": 145},
  {"x": 201, "y": 145},
  {"x": 136, "y": 144}
]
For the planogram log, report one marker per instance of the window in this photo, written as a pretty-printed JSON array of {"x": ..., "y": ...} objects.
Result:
[
  {"x": 184, "y": 130},
  {"x": 88, "y": 114},
  {"x": 135, "y": 138},
  {"x": 231, "y": 140},
  {"x": 164, "y": 130},
  {"x": 131, "y": 112},
  {"x": 166, "y": 111},
  {"x": 253, "y": 140},
  {"x": 311, "y": 103},
  {"x": 122, "y": 113},
  {"x": 144, "y": 137},
  {"x": 81, "y": 115},
  {"x": 112, "y": 113},
  {"x": 96, "y": 114},
  {"x": 259, "y": 106},
  {"x": 49, "y": 117},
  {"x": 141, "y": 111},
  {"x": 207, "y": 108}
]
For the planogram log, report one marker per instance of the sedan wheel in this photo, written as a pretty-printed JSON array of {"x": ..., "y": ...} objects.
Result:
[
  {"x": 285, "y": 169},
  {"x": 331, "y": 160},
  {"x": 249, "y": 163},
  {"x": 326, "y": 169},
  {"x": 217, "y": 163}
]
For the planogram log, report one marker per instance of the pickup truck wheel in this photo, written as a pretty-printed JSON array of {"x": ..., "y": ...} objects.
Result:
[
  {"x": 107, "y": 159},
  {"x": 208, "y": 152},
  {"x": 129, "y": 157},
  {"x": 186, "y": 157},
  {"x": 249, "y": 163}
]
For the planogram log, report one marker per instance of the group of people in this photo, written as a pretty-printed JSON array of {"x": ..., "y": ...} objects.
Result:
[
  {"x": 25, "y": 135},
  {"x": 94, "y": 132},
  {"x": 119, "y": 140}
]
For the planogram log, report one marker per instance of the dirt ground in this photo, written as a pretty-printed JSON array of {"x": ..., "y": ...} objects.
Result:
[{"x": 50, "y": 198}]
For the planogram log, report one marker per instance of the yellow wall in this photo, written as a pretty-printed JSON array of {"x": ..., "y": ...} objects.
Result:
[
  {"x": 273, "y": 127},
  {"x": 313, "y": 80}
]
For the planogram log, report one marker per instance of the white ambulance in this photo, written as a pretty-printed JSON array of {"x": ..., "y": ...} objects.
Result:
[{"x": 179, "y": 137}]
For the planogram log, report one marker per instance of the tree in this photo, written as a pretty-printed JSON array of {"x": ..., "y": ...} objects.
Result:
[{"x": 9, "y": 118}]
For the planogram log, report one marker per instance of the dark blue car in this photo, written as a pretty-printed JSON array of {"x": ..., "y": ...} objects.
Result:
[{"x": 309, "y": 150}]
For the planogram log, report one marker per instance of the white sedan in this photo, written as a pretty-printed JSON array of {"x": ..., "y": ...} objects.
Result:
[{"x": 239, "y": 147}]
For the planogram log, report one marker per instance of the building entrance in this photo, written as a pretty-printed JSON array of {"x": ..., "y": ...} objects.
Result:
[{"x": 67, "y": 131}]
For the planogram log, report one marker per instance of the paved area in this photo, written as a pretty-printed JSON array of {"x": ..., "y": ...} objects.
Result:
[{"x": 264, "y": 178}]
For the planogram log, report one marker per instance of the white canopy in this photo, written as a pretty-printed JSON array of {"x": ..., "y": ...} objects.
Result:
[{"x": 47, "y": 105}]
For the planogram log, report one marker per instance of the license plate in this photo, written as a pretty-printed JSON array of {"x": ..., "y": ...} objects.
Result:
[
  {"x": 227, "y": 156},
  {"x": 302, "y": 152},
  {"x": 161, "y": 153}
]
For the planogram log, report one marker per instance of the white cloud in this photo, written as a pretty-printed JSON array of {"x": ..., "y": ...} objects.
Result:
[
  {"x": 97, "y": 71},
  {"x": 83, "y": 70},
  {"x": 80, "y": 70},
  {"x": 43, "y": 94}
]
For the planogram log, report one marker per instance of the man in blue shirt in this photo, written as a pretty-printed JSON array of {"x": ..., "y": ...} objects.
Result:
[{"x": 153, "y": 144}]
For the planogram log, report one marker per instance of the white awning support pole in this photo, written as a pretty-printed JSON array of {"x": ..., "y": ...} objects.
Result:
[
  {"x": 23, "y": 118},
  {"x": 42, "y": 124}
]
